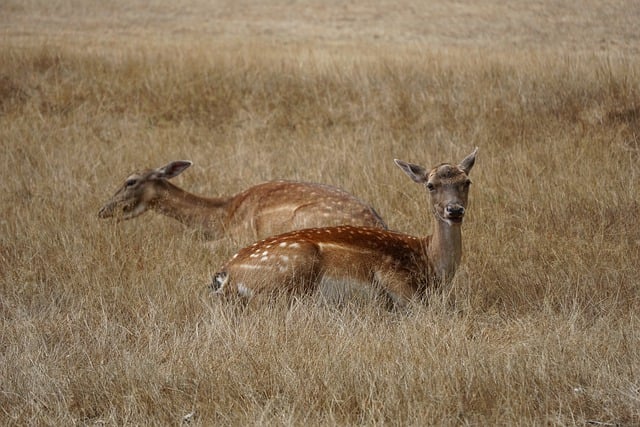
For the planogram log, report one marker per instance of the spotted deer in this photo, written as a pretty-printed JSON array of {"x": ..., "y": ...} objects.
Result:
[
  {"x": 396, "y": 266},
  {"x": 257, "y": 212}
]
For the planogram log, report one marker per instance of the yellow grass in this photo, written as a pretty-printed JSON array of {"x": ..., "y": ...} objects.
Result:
[{"x": 108, "y": 323}]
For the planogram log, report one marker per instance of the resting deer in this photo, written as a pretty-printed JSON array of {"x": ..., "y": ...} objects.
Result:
[
  {"x": 395, "y": 265},
  {"x": 259, "y": 211}
]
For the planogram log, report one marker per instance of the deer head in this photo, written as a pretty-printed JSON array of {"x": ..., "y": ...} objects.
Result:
[{"x": 140, "y": 190}]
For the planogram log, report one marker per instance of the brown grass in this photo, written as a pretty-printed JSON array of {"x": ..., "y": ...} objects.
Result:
[{"x": 111, "y": 323}]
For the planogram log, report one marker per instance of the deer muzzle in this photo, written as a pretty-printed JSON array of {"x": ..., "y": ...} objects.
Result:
[{"x": 454, "y": 213}]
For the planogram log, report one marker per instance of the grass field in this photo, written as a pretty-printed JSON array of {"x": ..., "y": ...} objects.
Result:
[{"x": 106, "y": 323}]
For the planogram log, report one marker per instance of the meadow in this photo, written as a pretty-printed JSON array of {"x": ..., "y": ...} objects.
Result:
[{"x": 108, "y": 323}]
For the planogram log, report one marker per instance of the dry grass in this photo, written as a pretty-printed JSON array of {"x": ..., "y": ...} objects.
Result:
[{"x": 112, "y": 324}]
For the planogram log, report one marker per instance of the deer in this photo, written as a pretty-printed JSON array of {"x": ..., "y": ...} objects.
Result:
[
  {"x": 395, "y": 266},
  {"x": 259, "y": 211}
]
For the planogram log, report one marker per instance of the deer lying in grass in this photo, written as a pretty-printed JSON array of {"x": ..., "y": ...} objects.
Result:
[
  {"x": 259, "y": 211},
  {"x": 393, "y": 265}
]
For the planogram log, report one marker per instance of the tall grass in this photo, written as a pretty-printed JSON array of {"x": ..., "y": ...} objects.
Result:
[{"x": 111, "y": 323}]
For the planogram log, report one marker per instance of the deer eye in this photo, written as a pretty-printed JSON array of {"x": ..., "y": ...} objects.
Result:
[
  {"x": 430, "y": 186},
  {"x": 130, "y": 182}
]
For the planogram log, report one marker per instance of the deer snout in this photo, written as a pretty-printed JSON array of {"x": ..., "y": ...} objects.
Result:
[
  {"x": 454, "y": 212},
  {"x": 104, "y": 212}
]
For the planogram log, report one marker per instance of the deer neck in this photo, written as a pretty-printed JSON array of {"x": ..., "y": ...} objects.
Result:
[
  {"x": 208, "y": 214},
  {"x": 445, "y": 249}
]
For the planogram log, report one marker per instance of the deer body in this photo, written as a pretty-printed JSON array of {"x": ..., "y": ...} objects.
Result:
[
  {"x": 394, "y": 265},
  {"x": 259, "y": 211},
  {"x": 306, "y": 260}
]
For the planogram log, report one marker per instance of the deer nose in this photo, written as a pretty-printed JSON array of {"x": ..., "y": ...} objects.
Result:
[
  {"x": 102, "y": 213},
  {"x": 455, "y": 211}
]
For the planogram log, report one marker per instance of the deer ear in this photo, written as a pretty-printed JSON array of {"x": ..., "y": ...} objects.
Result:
[
  {"x": 415, "y": 172},
  {"x": 467, "y": 163},
  {"x": 172, "y": 169}
]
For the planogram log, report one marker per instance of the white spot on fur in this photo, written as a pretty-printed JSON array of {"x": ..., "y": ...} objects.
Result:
[
  {"x": 283, "y": 244},
  {"x": 265, "y": 253},
  {"x": 284, "y": 258},
  {"x": 244, "y": 291},
  {"x": 251, "y": 266},
  {"x": 295, "y": 245}
]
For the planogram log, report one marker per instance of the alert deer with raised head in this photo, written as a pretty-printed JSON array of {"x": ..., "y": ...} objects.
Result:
[
  {"x": 396, "y": 266},
  {"x": 259, "y": 211}
]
